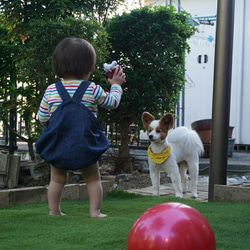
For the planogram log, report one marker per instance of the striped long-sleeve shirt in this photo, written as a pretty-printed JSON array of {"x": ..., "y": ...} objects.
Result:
[{"x": 94, "y": 96}]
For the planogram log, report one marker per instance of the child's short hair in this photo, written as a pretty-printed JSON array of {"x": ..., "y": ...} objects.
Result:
[{"x": 73, "y": 57}]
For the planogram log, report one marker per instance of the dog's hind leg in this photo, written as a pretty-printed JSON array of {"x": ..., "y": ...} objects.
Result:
[
  {"x": 155, "y": 179},
  {"x": 176, "y": 180},
  {"x": 193, "y": 168},
  {"x": 184, "y": 177}
]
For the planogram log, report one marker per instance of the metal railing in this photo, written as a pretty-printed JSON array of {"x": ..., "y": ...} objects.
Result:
[{"x": 112, "y": 132}]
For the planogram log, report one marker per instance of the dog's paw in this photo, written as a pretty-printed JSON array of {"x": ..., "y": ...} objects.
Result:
[
  {"x": 195, "y": 195},
  {"x": 179, "y": 195},
  {"x": 156, "y": 194}
]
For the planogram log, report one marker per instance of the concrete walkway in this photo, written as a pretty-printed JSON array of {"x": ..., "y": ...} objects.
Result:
[
  {"x": 238, "y": 163},
  {"x": 168, "y": 190}
]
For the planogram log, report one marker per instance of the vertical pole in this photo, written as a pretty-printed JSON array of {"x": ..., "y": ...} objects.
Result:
[
  {"x": 183, "y": 91},
  {"x": 13, "y": 114},
  {"x": 183, "y": 106},
  {"x": 179, "y": 5},
  {"x": 178, "y": 107},
  {"x": 178, "y": 113},
  {"x": 221, "y": 95}
]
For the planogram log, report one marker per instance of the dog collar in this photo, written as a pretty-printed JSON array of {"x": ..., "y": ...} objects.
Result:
[{"x": 159, "y": 157}]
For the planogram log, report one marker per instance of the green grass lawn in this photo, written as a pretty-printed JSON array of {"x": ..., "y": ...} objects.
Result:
[{"x": 30, "y": 226}]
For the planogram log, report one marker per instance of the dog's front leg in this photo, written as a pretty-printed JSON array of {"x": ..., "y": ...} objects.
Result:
[{"x": 155, "y": 178}]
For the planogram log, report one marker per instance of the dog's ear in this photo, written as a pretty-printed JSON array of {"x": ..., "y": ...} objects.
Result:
[
  {"x": 167, "y": 121},
  {"x": 147, "y": 118}
]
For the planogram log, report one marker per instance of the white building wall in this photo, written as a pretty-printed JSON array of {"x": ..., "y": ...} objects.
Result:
[
  {"x": 198, "y": 100},
  {"x": 237, "y": 101},
  {"x": 245, "y": 120},
  {"x": 199, "y": 76}
]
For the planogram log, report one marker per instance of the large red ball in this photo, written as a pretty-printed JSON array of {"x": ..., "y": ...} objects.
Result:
[{"x": 171, "y": 225}]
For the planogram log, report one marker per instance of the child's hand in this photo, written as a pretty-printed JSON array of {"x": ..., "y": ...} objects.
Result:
[{"x": 118, "y": 77}]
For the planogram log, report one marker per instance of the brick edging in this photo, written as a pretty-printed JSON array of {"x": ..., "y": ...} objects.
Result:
[{"x": 29, "y": 195}]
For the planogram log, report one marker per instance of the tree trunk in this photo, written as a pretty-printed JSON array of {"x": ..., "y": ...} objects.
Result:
[
  {"x": 31, "y": 150},
  {"x": 29, "y": 140},
  {"x": 125, "y": 160}
]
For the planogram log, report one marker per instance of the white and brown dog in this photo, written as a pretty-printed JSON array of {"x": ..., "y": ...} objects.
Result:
[{"x": 173, "y": 151}]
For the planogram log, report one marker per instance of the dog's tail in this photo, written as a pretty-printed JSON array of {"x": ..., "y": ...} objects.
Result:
[{"x": 187, "y": 138}]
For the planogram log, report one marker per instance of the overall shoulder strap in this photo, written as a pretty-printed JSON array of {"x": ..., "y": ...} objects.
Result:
[
  {"x": 81, "y": 90},
  {"x": 62, "y": 91}
]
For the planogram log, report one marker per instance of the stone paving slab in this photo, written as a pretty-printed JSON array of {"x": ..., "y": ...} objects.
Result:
[{"x": 231, "y": 193}]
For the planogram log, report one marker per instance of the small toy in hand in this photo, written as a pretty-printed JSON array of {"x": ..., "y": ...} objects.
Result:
[{"x": 110, "y": 69}]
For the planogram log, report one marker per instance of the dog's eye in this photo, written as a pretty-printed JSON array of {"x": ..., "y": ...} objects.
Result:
[
  {"x": 150, "y": 130},
  {"x": 158, "y": 131}
]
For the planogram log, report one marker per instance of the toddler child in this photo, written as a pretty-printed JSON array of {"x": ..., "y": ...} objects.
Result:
[{"x": 74, "y": 61}]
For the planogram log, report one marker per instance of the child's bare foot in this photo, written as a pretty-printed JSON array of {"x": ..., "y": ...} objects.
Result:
[
  {"x": 56, "y": 213},
  {"x": 98, "y": 215}
]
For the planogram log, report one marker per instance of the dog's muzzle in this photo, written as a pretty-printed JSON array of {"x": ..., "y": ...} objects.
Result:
[{"x": 151, "y": 137}]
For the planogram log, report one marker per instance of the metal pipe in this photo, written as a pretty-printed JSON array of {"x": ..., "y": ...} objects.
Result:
[
  {"x": 221, "y": 95},
  {"x": 204, "y": 17},
  {"x": 183, "y": 91},
  {"x": 242, "y": 69}
]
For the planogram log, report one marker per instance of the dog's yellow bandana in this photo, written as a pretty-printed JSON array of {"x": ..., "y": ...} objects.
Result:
[{"x": 159, "y": 157}]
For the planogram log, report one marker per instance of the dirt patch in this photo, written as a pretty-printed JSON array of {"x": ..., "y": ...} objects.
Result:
[{"x": 136, "y": 180}]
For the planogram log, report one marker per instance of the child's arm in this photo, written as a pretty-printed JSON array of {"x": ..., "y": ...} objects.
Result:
[
  {"x": 111, "y": 100},
  {"x": 43, "y": 112},
  {"x": 108, "y": 100}
]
